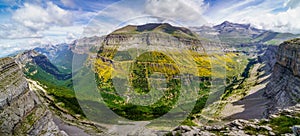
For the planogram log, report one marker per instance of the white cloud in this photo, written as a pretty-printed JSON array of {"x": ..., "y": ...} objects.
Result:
[
  {"x": 15, "y": 31},
  {"x": 33, "y": 25},
  {"x": 261, "y": 15},
  {"x": 8, "y": 46},
  {"x": 38, "y": 18},
  {"x": 137, "y": 12},
  {"x": 188, "y": 11},
  {"x": 292, "y": 3}
]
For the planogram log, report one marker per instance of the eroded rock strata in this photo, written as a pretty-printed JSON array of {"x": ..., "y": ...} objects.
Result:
[
  {"x": 284, "y": 87},
  {"x": 21, "y": 111}
]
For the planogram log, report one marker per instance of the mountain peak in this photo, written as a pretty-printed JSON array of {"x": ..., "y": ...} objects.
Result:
[
  {"x": 226, "y": 23},
  {"x": 230, "y": 24},
  {"x": 157, "y": 28}
]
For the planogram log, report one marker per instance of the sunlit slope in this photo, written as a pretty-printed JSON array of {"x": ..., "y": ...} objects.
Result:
[{"x": 131, "y": 61}]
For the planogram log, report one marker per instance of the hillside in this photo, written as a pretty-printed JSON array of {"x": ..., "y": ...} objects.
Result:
[{"x": 142, "y": 51}]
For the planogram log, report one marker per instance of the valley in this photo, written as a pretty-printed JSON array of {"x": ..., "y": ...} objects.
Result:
[{"x": 124, "y": 81}]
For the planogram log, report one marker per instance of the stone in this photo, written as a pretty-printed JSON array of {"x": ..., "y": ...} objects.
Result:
[
  {"x": 296, "y": 130},
  {"x": 266, "y": 128},
  {"x": 237, "y": 133},
  {"x": 272, "y": 133},
  {"x": 284, "y": 86},
  {"x": 20, "y": 105},
  {"x": 206, "y": 133}
]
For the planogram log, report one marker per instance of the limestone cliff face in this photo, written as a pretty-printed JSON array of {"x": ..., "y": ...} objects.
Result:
[
  {"x": 284, "y": 87},
  {"x": 21, "y": 112},
  {"x": 148, "y": 36},
  {"x": 268, "y": 59}
]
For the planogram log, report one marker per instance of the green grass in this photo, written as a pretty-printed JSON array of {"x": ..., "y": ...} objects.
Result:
[
  {"x": 283, "y": 124},
  {"x": 61, "y": 90},
  {"x": 188, "y": 122},
  {"x": 254, "y": 131}
]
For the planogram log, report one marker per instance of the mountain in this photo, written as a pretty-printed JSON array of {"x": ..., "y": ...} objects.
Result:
[
  {"x": 60, "y": 55},
  {"x": 22, "y": 112},
  {"x": 274, "y": 38},
  {"x": 161, "y": 34},
  {"x": 234, "y": 33},
  {"x": 157, "y": 27},
  {"x": 284, "y": 87},
  {"x": 31, "y": 61},
  {"x": 267, "y": 80},
  {"x": 241, "y": 30}
]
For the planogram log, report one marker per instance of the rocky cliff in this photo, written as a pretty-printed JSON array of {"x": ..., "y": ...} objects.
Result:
[
  {"x": 21, "y": 112},
  {"x": 284, "y": 87},
  {"x": 268, "y": 59},
  {"x": 148, "y": 36}
]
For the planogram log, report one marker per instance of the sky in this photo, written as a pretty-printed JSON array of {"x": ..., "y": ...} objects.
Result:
[{"x": 26, "y": 24}]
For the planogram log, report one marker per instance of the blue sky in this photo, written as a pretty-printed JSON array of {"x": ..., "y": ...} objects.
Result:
[{"x": 26, "y": 24}]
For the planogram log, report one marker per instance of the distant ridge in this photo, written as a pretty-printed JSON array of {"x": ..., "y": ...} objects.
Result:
[
  {"x": 235, "y": 33},
  {"x": 156, "y": 27}
]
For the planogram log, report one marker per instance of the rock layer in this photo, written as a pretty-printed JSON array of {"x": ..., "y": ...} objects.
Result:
[
  {"x": 284, "y": 87},
  {"x": 21, "y": 111}
]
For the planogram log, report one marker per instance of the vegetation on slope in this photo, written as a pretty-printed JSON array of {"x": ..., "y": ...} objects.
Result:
[
  {"x": 146, "y": 64},
  {"x": 61, "y": 90}
]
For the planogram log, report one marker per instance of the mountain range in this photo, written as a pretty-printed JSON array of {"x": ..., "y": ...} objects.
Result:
[
  {"x": 234, "y": 33},
  {"x": 260, "y": 96}
]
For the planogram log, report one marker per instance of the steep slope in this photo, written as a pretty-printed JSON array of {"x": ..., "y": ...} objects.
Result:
[
  {"x": 60, "y": 55},
  {"x": 32, "y": 60},
  {"x": 268, "y": 59},
  {"x": 123, "y": 47},
  {"x": 22, "y": 113},
  {"x": 59, "y": 84},
  {"x": 284, "y": 87}
]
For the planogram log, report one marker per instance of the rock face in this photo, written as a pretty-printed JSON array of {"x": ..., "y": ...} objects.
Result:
[
  {"x": 148, "y": 36},
  {"x": 268, "y": 59},
  {"x": 159, "y": 36},
  {"x": 284, "y": 87},
  {"x": 21, "y": 112},
  {"x": 148, "y": 39}
]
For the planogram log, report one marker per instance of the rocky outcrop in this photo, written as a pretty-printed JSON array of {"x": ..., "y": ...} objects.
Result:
[
  {"x": 284, "y": 87},
  {"x": 151, "y": 38},
  {"x": 268, "y": 59},
  {"x": 235, "y": 128},
  {"x": 21, "y": 112},
  {"x": 240, "y": 127}
]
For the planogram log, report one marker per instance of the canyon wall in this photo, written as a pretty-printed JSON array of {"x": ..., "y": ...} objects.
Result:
[
  {"x": 284, "y": 87},
  {"x": 21, "y": 112}
]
